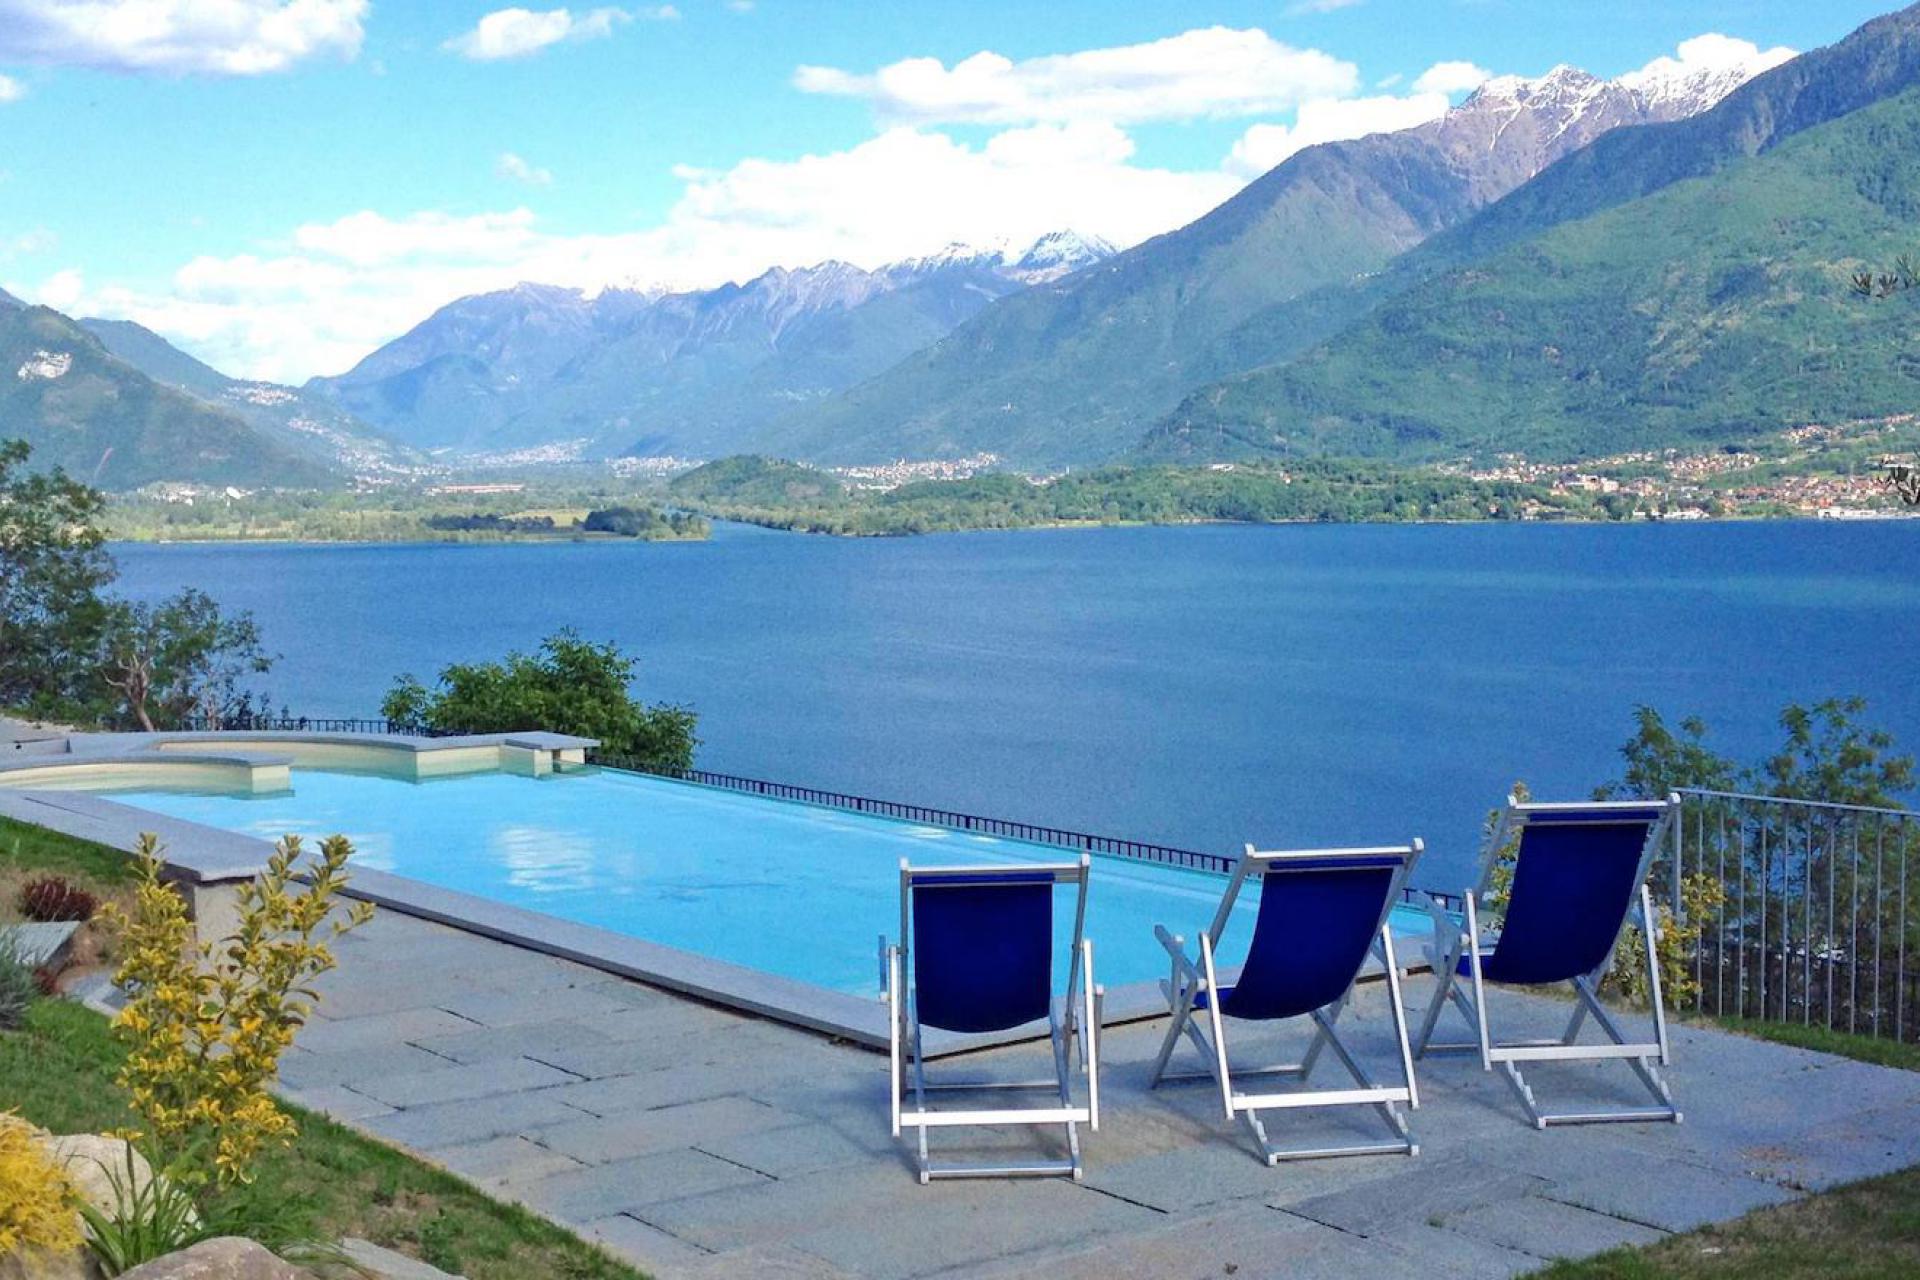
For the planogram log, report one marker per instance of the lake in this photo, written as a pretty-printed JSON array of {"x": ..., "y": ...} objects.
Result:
[{"x": 1202, "y": 687}]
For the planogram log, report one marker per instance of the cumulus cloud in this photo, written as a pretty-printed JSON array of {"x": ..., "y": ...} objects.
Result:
[
  {"x": 516, "y": 33},
  {"x": 1709, "y": 54},
  {"x": 1301, "y": 8},
  {"x": 1451, "y": 77},
  {"x": 516, "y": 169},
  {"x": 329, "y": 292},
  {"x": 212, "y": 37},
  {"x": 1263, "y": 146},
  {"x": 1209, "y": 73},
  {"x": 11, "y": 90}
]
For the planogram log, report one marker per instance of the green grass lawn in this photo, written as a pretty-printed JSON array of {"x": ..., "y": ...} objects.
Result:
[
  {"x": 58, "y": 1072},
  {"x": 1862, "y": 1231}
]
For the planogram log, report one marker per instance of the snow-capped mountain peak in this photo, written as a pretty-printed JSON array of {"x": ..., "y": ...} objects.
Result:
[
  {"x": 1708, "y": 69},
  {"x": 1059, "y": 253}
]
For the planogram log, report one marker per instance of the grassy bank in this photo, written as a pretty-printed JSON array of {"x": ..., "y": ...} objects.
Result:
[{"x": 58, "y": 1071}]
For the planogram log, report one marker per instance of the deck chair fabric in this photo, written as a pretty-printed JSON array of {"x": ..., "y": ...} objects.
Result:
[
  {"x": 1579, "y": 878},
  {"x": 1321, "y": 914},
  {"x": 975, "y": 955}
]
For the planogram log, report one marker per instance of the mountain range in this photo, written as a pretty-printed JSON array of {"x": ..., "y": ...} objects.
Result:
[
  {"x": 674, "y": 373},
  {"x": 1078, "y": 370},
  {"x": 1560, "y": 266},
  {"x": 1683, "y": 284},
  {"x": 83, "y": 408}
]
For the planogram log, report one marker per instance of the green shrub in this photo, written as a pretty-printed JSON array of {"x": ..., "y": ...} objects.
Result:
[{"x": 570, "y": 686}]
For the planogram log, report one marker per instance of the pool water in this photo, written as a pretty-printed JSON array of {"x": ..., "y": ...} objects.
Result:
[{"x": 793, "y": 889}]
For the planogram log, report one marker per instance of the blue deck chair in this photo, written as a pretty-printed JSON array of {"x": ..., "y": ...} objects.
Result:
[
  {"x": 1579, "y": 874},
  {"x": 1321, "y": 913},
  {"x": 976, "y": 955}
]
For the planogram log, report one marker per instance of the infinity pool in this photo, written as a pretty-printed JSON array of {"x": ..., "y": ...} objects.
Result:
[{"x": 786, "y": 888}]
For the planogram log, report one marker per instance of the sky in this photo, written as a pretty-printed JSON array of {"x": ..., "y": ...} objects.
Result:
[{"x": 279, "y": 186}]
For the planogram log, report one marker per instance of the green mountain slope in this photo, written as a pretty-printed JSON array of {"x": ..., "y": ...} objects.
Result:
[
  {"x": 1880, "y": 59},
  {"x": 304, "y": 421},
  {"x": 1713, "y": 310},
  {"x": 1076, "y": 369},
  {"x": 108, "y": 423}
]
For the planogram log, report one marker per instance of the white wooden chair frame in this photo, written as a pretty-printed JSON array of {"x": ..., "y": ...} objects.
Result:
[
  {"x": 1188, "y": 981},
  {"x": 1070, "y": 1018},
  {"x": 1454, "y": 939}
]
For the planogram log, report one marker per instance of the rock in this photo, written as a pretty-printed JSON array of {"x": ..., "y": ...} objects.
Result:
[
  {"x": 228, "y": 1258},
  {"x": 93, "y": 1162}
]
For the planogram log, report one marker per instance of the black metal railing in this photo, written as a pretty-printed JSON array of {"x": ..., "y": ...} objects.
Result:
[
  {"x": 297, "y": 724},
  {"x": 1035, "y": 833},
  {"x": 1812, "y": 924}
]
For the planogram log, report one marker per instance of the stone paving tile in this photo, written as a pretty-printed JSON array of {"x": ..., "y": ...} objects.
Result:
[
  {"x": 1844, "y": 1150},
  {"x": 337, "y": 1101},
  {"x": 1451, "y": 1253},
  {"x": 1420, "y": 1190},
  {"x": 537, "y": 1040},
  {"x": 1027, "y": 1216},
  {"x": 515, "y": 1008},
  {"x": 634, "y": 1133},
  {"x": 504, "y": 1164},
  {"x": 648, "y": 1248},
  {"x": 767, "y": 1212},
  {"x": 450, "y": 1124},
  {"x": 648, "y": 1090},
  {"x": 632, "y": 1186},
  {"x": 303, "y": 1070},
  {"x": 768, "y": 1262},
  {"x": 1246, "y": 1242},
  {"x": 1548, "y": 1229},
  {"x": 797, "y": 1148},
  {"x": 1682, "y": 1198},
  {"x": 371, "y": 1031},
  {"x": 1202, "y": 1176},
  {"x": 451, "y": 1083}
]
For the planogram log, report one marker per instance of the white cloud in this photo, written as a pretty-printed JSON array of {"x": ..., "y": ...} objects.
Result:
[
  {"x": 332, "y": 291},
  {"x": 1451, "y": 77},
  {"x": 38, "y": 240},
  {"x": 516, "y": 169},
  {"x": 515, "y": 33},
  {"x": 11, "y": 90},
  {"x": 1213, "y": 72},
  {"x": 214, "y": 37},
  {"x": 62, "y": 290},
  {"x": 1300, "y": 8},
  {"x": 1263, "y": 146},
  {"x": 1708, "y": 55}
]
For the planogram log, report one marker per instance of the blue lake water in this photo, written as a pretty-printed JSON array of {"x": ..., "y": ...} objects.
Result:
[{"x": 1202, "y": 687}]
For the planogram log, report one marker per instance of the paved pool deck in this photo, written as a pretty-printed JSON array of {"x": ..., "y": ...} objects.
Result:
[{"x": 699, "y": 1142}]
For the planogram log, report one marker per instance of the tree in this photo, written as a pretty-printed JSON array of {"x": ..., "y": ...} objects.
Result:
[
  {"x": 570, "y": 686},
  {"x": 53, "y": 567},
  {"x": 179, "y": 658},
  {"x": 1660, "y": 761}
]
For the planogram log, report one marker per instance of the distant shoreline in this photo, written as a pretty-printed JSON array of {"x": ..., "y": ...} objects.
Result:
[{"x": 1059, "y": 526}]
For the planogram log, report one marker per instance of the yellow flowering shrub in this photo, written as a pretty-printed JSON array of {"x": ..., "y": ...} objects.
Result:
[
  {"x": 1701, "y": 896},
  {"x": 206, "y": 1022},
  {"x": 36, "y": 1196}
]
